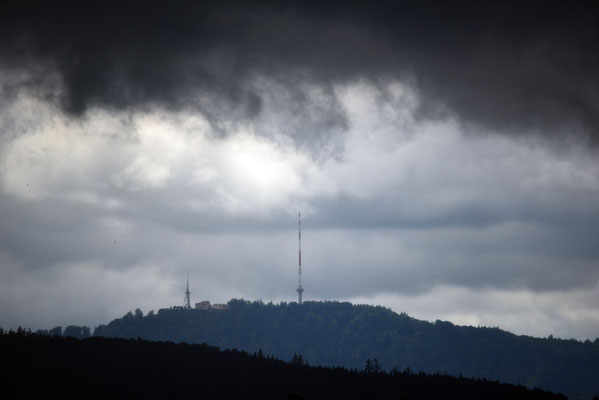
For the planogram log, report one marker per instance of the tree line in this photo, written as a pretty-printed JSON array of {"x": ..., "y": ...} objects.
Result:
[
  {"x": 98, "y": 367},
  {"x": 342, "y": 334}
]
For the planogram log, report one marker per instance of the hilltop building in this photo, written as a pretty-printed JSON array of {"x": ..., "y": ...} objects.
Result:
[
  {"x": 202, "y": 305},
  {"x": 205, "y": 305}
]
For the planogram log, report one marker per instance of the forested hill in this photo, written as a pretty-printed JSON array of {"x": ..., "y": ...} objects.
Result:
[
  {"x": 60, "y": 367},
  {"x": 342, "y": 334}
]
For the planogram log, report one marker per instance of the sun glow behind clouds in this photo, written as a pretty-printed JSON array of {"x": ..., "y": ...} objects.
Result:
[
  {"x": 257, "y": 173},
  {"x": 132, "y": 189},
  {"x": 239, "y": 173}
]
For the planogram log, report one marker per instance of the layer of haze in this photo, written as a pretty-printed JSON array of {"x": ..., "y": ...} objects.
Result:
[{"x": 444, "y": 161}]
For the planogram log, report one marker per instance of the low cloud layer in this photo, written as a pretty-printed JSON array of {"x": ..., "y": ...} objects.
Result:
[
  {"x": 108, "y": 213},
  {"x": 443, "y": 159}
]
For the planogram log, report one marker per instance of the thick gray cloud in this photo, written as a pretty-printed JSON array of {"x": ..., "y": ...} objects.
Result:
[
  {"x": 122, "y": 205},
  {"x": 508, "y": 67},
  {"x": 138, "y": 145}
]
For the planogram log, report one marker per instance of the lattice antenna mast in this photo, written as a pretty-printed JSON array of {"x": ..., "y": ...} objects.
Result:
[
  {"x": 187, "y": 302},
  {"x": 299, "y": 289}
]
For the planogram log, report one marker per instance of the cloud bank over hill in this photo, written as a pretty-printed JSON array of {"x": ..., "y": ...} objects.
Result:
[{"x": 442, "y": 156}]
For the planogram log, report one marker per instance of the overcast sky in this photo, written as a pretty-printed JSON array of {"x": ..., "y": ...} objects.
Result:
[{"x": 444, "y": 159}]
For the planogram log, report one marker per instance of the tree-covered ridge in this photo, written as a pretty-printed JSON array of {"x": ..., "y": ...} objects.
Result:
[
  {"x": 342, "y": 334},
  {"x": 65, "y": 367}
]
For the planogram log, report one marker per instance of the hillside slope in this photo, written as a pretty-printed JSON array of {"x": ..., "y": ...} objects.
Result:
[
  {"x": 342, "y": 334},
  {"x": 58, "y": 367}
]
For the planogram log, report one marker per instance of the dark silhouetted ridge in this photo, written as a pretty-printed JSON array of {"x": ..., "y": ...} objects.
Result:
[
  {"x": 56, "y": 366},
  {"x": 342, "y": 334}
]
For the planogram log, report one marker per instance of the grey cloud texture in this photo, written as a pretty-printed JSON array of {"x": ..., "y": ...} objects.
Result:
[
  {"x": 140, "y": 143},
  {"x": 506, "y": 67},
  {"x": 407, "y": 207}
]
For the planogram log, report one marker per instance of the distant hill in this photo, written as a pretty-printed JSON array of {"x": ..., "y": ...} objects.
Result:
[
  {"x": 64, "y": 367},
  {"x": 342, "y": 334}
]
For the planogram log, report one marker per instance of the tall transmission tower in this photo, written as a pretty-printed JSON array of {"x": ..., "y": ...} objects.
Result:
[
  {"x": 299, "y": 289},
  {"x": 187, "y": 301}
]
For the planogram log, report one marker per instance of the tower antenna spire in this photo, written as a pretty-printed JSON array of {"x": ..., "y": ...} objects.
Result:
[
  {"x": 299, "y": 289},
  {"x": 187, "y": 301}
]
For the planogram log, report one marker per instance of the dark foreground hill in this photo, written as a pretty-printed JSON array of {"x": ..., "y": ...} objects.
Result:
[
  {"x": 342, "y": 334},
  {"x": 59, "y": 367}
]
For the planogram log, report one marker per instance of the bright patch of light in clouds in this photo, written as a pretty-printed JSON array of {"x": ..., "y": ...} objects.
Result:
[{"x": 111, "y": 210}]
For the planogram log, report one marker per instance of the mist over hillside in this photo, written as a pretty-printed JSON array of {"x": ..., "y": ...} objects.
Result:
[{"x": 342, "y": 334}]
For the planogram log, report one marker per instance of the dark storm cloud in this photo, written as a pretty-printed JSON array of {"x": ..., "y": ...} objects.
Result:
[{"x": 507, "y": 67}]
